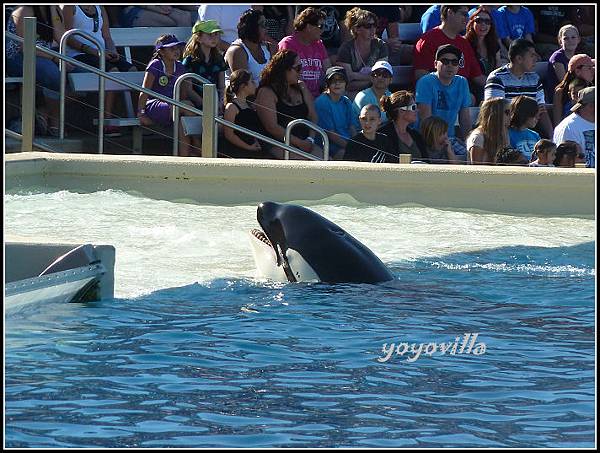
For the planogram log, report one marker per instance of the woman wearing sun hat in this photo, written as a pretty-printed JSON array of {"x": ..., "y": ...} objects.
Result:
[{"x": 161, "y": 73}]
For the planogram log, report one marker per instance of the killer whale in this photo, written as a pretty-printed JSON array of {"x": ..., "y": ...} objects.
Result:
[{"x": 297, "y": 244}]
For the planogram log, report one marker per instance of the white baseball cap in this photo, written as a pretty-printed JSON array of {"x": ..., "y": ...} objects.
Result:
[{"x": 382, "y": 64}]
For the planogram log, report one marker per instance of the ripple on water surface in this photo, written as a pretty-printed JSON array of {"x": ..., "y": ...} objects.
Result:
[{"x": 194, "y": 352}]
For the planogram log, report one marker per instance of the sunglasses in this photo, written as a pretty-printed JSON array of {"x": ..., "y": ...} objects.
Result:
[
  {"x": 319, "y": 26},
  {"x": 367, "y": 25},
  {"x": 483, "y": 21},
  {"x": 383, "y": 74},
  {"x": 297, "y": 68},
  {"x": 448, "y": 61},
  {"x": 408, "y": 108}
]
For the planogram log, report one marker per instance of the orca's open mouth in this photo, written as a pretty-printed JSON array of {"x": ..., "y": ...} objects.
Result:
[{"x": 258, "y": 234}]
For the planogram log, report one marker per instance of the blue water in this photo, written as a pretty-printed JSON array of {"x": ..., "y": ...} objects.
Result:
[{"x": 242, "y": 363}]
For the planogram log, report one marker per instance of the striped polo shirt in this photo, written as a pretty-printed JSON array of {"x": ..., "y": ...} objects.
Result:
[{"x": 504, "y": 84}]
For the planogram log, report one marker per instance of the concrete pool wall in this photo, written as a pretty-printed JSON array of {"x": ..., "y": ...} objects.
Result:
[{"x": 509, "y": 190}]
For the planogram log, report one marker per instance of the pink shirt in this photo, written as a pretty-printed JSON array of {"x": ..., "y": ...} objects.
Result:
[{"x": 311, "y": 57}]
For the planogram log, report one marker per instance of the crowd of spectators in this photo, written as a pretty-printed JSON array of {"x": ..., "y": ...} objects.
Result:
[{"x": 334, "y": 66}]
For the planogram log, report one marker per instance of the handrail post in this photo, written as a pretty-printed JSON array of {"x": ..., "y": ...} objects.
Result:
[
  {"x": 209, "y": 127},
  {"x": 288, "y": 133},
  {"x": 63, "y": 84},
  {"x": 28, "y": 91},
  {"x": 176, "y": 96}
]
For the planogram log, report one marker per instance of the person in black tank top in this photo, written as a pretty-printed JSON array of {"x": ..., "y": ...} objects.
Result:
[
  {"x": 282, "y": 98},
  {"x": 237, "y": 110}
]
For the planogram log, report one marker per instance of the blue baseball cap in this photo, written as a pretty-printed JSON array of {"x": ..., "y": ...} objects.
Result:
[{"x": 169, "y": 41}]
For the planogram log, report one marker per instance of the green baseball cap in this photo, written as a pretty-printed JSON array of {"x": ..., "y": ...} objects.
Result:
[{"x": 206, "y": 26}]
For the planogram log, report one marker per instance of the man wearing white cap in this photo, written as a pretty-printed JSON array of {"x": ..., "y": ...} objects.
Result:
[
  {"x": 381, "y": 77},
  {"x": 580, "y": 126}
]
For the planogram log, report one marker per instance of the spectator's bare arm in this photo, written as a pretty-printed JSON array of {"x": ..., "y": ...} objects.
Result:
[{"x": 236, "y": 58}]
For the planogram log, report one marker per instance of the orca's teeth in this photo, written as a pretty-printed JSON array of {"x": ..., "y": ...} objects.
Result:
[{"x": 258, "y": 234}]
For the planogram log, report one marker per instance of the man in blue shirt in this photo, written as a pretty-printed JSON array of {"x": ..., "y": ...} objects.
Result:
[
  {"x": 518, "y": 21},
  {"x": 445, "y": 94}
]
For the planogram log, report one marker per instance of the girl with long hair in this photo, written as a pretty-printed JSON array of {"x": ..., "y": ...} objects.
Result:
[
  {"x": 491, "y": 132},
  {"x": 281, "y": 98},
  {"x": 524, "y": 114},
  {"x": 481, "y": 33},
  {"x": 202, "y": 56},
  {"x": 238, "y": 111},
  {"x": 569, "y": 40}
]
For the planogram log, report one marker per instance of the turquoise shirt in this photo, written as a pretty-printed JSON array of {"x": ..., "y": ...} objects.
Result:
[{"x": 367, "y": 96}]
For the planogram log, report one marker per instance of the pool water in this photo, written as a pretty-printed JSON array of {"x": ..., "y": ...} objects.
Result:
[{"x": 196, "y": 352}]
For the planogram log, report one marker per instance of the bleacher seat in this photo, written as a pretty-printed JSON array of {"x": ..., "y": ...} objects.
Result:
[
  {"x": 144, "y": 36},
  {"x": 192, "y": 125},
  {"x": 409, "y": 32},
  {"x": 87, "y": 81}
]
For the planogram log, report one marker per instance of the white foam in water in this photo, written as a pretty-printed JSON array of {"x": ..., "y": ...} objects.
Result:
[{"x": 162, "y": 244}]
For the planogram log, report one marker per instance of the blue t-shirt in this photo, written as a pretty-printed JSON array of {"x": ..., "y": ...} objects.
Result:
[
  {"x": 524, "y": 140},
  {"x": 445, "y": 101},
  {"x": 431, "y": 18},
  {"x": 365, "y": 97},
  {"x": 518, "y": 25},
  {"x": 336, "y": 117},
  {"x": 498, "y": 19}
]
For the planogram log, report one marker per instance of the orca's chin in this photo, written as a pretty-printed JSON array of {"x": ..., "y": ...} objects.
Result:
[{"x": 261, "y": 236}]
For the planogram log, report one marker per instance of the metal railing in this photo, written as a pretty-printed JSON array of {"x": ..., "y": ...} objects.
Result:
[
  {"x": 208, "y": 114},
  {"x": 18, "y": 136},
  {"x": 101, "y": 84},
  {"x": 292, "y": 124},
  {"x": 176, "y": 96}
]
